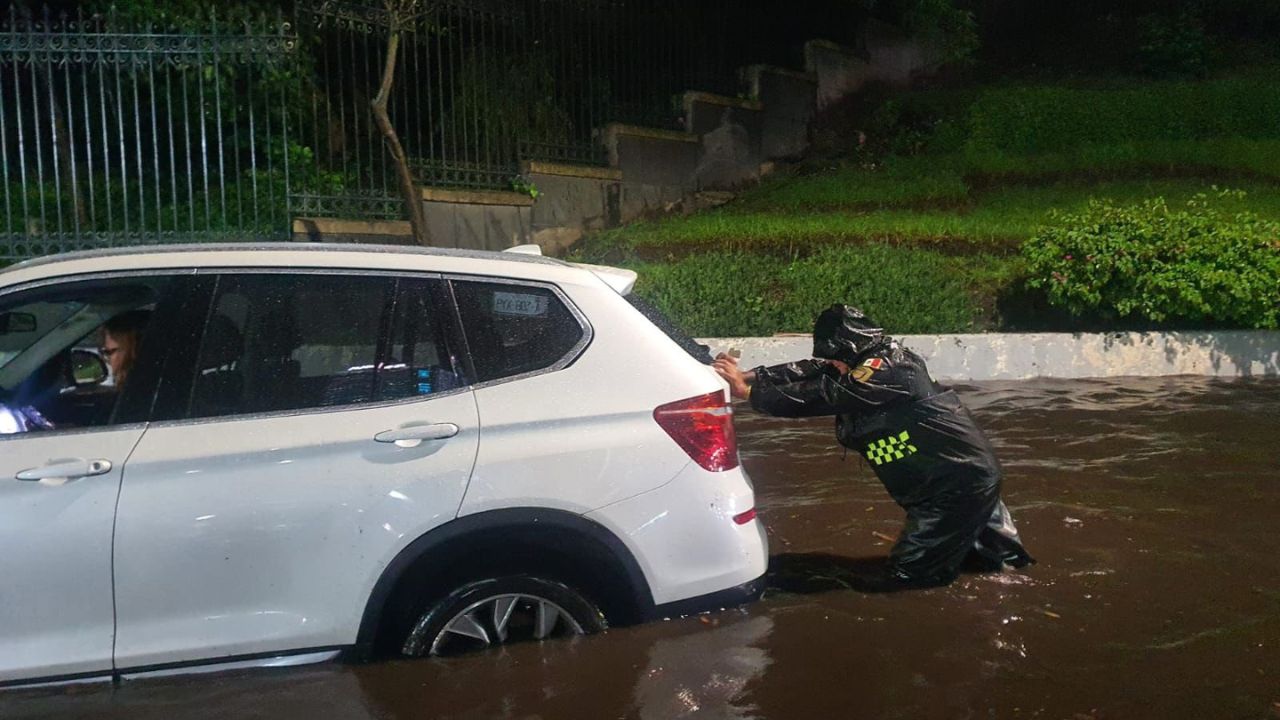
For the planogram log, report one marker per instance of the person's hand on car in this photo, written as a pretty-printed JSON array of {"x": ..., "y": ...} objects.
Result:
[{"x": 739, "y": 382}]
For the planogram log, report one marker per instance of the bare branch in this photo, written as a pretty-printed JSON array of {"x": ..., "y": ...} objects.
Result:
[{"x": 412, "y": 196}]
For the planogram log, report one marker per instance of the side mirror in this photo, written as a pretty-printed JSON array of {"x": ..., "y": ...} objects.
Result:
[
  {"x": 88, "y": 367},
  {"x": 17, "y": 322}
]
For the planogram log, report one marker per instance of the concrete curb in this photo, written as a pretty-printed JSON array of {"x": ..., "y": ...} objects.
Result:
[{"x": 1016, "y": 356}]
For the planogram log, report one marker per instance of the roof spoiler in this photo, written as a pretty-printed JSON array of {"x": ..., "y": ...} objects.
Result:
[
  {"x": 524, "y": 250},
  {"x": 620, "y": 279}
]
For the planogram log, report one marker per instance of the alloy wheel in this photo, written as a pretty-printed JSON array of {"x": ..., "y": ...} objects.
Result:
[{"x": 501, "y": 619}]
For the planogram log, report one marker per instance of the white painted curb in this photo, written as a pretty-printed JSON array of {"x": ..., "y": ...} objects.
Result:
[{"x": 1017, "y": 356}]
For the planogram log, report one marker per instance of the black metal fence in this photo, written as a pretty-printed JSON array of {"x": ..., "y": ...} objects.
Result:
[
  {"x": 120, "y": 133},
  {"x": 114, "y": 136},
  {"x": 484, "y": 85}
]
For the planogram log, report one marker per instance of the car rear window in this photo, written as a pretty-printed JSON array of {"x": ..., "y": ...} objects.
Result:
[
  {"x": 513, "y": 329},
  {"x": 700, "y": 352}
]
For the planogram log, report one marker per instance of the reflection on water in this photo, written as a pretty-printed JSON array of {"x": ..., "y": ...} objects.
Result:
[
  {"x": 1151, "y": 505},
  {"x": 704, "y": 674}
]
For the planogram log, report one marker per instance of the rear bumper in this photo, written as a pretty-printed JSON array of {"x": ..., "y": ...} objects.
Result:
[
  {"x": 732, "y": 597},
  {"x": 685, "y": 540}
]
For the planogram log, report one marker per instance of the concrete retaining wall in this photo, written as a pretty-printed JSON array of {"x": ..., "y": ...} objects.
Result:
[
  {"x": 895, "y": 57},
  {"x": 658, "y": 167},
  {"x": 478, "y": 219},
  {"x": 574, "y": 196},
  {"x": 999, "y": 356},
  {"x": 839, "y": 71},
  {"x": 730, "y": 130},
  {"x": 789, "y": 101},
  {"x": 888, "y": 56},
  {"x": 381, "y": 232}
]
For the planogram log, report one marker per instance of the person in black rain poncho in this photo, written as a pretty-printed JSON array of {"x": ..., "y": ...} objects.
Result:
[{"x": 917, "y": 436}]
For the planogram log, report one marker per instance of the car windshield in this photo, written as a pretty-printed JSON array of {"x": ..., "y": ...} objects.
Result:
[{"x": 48, "y": 315}]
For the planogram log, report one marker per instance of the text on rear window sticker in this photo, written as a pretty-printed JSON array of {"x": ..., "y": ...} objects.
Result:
[{"x": 506, "y": 303}]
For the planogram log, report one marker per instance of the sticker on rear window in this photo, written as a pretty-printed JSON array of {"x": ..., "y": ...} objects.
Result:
[{"x": 506, "y": 303}]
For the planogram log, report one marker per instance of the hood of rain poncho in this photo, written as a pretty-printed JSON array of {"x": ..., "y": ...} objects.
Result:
[{"x": 845, "y": 333}]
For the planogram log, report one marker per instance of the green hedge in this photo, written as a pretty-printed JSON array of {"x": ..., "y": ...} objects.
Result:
[
  {"x": 1197, "y": 266},
  {"x": 909, "y": 290},
  {"x": 1213, "y": 158},
  {"x": 1026, "y": 120}
]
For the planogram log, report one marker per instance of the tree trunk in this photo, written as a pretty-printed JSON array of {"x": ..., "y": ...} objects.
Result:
[{"x": 412, "y": 197}]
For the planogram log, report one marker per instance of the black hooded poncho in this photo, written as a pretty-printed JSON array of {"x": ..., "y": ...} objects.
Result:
[{"x": 919, "y": 439}]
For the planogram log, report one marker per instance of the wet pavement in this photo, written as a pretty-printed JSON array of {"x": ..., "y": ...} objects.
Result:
[{"x": 1153, "y": 506}]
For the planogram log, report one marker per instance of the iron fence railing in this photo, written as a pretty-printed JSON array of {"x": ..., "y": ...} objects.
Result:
[
  {"x": 114, "y": 137},
  {"x": 486, "y": 84},
  {"x": 115, "y": 131}
]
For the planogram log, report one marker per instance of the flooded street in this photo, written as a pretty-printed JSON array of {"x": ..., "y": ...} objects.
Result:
[{"x": 1152, "y": 506}]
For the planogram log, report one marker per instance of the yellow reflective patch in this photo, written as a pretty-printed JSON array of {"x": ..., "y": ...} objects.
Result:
[{"x": 886, "y": 450}]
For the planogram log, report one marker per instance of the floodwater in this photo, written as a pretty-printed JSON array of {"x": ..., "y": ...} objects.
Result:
[{"x": 1153, "y": 506}]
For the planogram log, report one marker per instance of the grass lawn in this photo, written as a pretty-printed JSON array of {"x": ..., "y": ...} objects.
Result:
[
  {"x": 914, "y": 290},
  {"x": 797, "y": 213}
]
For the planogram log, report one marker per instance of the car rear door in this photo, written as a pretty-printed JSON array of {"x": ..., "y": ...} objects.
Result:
[
  {"x": 565, "y": 427},
  {"x": 321, "y": 423}
]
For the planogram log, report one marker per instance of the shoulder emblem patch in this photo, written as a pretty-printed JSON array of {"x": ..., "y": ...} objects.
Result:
[
  {"x": 874, "y": 363},
  {"x": 862, "y": 374}
]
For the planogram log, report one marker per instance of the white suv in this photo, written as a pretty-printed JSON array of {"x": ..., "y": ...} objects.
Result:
[{"x": 323, "y": 448}]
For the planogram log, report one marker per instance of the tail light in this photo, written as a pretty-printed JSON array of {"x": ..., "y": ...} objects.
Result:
[{"x": 703, "y": 427}]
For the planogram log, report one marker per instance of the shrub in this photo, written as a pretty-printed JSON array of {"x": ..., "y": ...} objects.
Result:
[
  {"x": 929, "y": 121},
  {"x": 951, "y": 29},
  {"x": 1196, "y": 265},
  {"x": 1175, "y": 45}
]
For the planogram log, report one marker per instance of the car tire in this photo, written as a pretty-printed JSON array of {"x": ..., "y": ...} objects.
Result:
[{"x": 498, "y": 611}]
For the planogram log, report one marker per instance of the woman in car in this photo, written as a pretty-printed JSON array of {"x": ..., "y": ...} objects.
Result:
[
  {"x": 121, "y": 336},
  {"x": 40, "y": 403}
]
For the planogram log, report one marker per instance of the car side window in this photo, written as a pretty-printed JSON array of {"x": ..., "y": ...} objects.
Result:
[
  {"x": 280, "y": 341},
  {"x": 513, "y": 329},
  {"x": 421, "y": 358},
  {"x": 71, "y": 353}
]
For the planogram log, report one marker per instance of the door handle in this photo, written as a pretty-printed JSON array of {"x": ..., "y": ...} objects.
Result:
[
  {"x": 413, "y": 435},
  {"x": 66, "y": 470}
]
